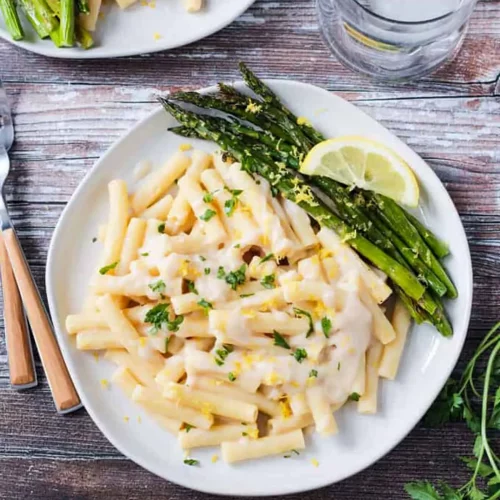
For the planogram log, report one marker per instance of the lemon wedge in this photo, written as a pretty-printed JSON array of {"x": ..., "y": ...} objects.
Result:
[{"x": 361, "y": 162}]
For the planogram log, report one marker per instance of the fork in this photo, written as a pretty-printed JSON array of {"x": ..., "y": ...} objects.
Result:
[{"x": 63, "y": 391}]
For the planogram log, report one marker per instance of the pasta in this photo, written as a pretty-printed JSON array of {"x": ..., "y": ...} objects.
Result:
[{"x": 219, "y": 303}]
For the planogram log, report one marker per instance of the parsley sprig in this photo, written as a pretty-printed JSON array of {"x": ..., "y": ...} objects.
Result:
[
  {"x": 475, "y": 398},
  {"x": 266, "y": 258},
  {"x": 230, "y": 205},
  {"x": 158, "y": 286},
  {"x": 234, "y": 278},
  {"x": 221, "y": 354},
  {"x": 268, "y": 281},
  {"x": 280, "y": 341},
  {"x": 159, "y": 316},
  {"x": 208, "y": 214},
  {"x": 300, "y": 313},
  {"x": 109, "y": 267},
  {"x": 205, "y": 305},
  {"x": 326, "y": 326}
]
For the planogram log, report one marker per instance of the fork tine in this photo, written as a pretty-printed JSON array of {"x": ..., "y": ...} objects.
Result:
[{"x": 6, "y": 126}]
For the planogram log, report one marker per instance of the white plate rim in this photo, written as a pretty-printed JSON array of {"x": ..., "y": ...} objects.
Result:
[
  {"x": 282, "y": 489},
  {"x": 100, "y": 52}
]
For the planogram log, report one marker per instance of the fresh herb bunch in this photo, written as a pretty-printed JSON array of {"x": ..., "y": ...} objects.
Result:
[{"x": 475, "y": 399}]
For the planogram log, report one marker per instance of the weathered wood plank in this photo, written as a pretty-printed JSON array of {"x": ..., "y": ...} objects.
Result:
[
  {"x": 272, "y": 36},
  {"x": 68, "y": 475}
]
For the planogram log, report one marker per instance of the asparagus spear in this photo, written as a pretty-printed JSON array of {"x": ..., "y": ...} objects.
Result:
[
  {"x": 9, "y": 12},
  {"x": 67, "y": 28},
  {"x": 260, "y": 88},
  {"x": 261, "y": 140},
  {"x": 83, "y": 37},
  {"x": 275, "y": 114},
  {"x": 210, "y": 102},
  {"x": 395, "y": 217},
  {"x": 439, "y": 248},
  {"x": 295, "y": 189},
  {"x": 378, "y": 230},
  {"x": 45, "y": 15},
  {"x": 38, "y": 24}
]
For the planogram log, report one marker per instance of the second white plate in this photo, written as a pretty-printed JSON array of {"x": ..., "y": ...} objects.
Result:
[
  {"x": 140, "y": 29},
  {"x": 427, "y": 362}
]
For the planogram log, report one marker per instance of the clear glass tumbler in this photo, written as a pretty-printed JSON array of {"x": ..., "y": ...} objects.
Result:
[{"x": 394, "y": 39}]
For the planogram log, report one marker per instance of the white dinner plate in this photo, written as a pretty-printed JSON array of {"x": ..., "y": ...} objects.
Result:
[
  {"x": 140, "y": 29},
  {"x": 427, "y": 361}
]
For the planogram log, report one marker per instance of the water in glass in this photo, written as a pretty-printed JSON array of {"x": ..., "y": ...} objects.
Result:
[{"x": 394, "y": 39}]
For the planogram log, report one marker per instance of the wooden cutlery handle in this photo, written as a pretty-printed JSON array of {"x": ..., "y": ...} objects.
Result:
[
  {"x": 63, "y": 390},
  {"x": 21, "y": 368}
]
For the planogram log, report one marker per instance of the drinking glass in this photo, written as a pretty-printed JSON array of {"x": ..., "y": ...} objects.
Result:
[{"x": 394, "y": 39}]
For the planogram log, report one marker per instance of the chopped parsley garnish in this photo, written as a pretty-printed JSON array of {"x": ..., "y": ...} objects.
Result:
[
  {"x": 167, "y": 341},
  {"x": 236, "y": 278},
  {"x": 209, "y": 213},
  {"x": 158, "y": 315},
  {"x": 207, "y": 270},
  {"x": 208, "y": 197},
  {"x": 205, "y": 305},
  {"x": 203, "y": 259},
  {"x": 326, "y": 326},
  {"x": 161, "y": 228},
  {"x": 158, "y": 286},
  {"x": 230, "y": 204},
  {"x": 300, "y": 354},
  {"x": 222, "y": 354},
  {"x": 94, "y": 239},
  {"x": 245, "y": 295},
  {"x": 354, "y": 396},
  {"x": 313, "y": 373},
  {"x": 109, "y": 267},
  {"x": 300, "y": 312},
  {"x": 279, "y": 340},
  {"x": 191, "y": 461},
  {"x": 190, "y": 286},
  {"x": 145, "y": 254},
  {"x": 188, "y": 427},
  {"x": 174, "y": 325},
  {"x": 237, "y": 245},
  {"x": 231, "y": 376},
  {"x": 269, "y": 256},
  {"x": 268, "y": 281},
  {"x": 233, "y": 278},
  {"x": 291, "y": 453},
  {"x": 338, "y": 366}
]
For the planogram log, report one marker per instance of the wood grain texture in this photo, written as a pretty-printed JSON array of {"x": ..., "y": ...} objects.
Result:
[{"x": 67, "y": 113}]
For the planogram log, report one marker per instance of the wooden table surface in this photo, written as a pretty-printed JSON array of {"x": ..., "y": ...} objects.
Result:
[{"x": 67, "y": 113}]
